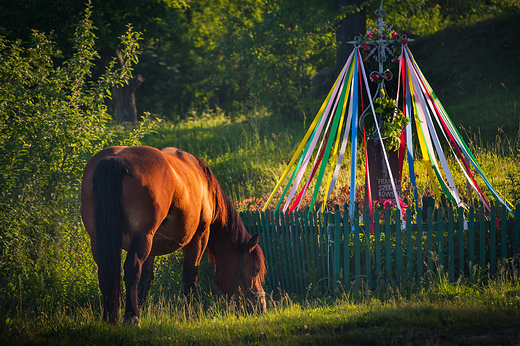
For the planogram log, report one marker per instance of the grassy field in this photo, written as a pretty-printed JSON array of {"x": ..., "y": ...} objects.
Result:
[{"x": 442, "y": 313}]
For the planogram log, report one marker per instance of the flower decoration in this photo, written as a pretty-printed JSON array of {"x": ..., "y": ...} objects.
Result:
[
  {"x": 375, "y": 77},
  {"x": 384, "y": 204}
]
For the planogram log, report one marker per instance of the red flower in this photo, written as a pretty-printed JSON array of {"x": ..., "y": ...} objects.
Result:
[
  {"x": 388, "y": 204},
  {"x": 365, "y": 46},
  {"x": 374, "y": 77},
  {"x": 401, "y": 202},
  {"x": 405, "y": 41},
  {"x": 394, "y": 34},
  {"x": 395, "y": 60},
  {"x": 371, "y": 34}
]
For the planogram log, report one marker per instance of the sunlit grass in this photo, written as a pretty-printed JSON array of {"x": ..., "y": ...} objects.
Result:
[{"x": 442, "y": 312}]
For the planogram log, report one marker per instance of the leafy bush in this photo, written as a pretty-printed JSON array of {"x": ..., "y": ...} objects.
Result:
[{"x": 51, "y": 120}]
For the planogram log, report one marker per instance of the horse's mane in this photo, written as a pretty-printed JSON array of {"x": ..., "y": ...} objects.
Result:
[{"x": 227, "y": 219}]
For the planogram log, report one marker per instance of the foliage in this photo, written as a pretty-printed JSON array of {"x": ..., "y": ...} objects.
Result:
[
  {"x": 231, "y": 54},
  {"x": 272, "y": 62},
  {"x": 51, "y": 120},
  {"x": 393, "y": 121}
]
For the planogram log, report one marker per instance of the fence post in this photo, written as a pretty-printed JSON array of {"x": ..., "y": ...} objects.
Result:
[
  {"x": 440, "y": 238},
  {"x": 336, "y": 242},
  {"x": 419, "y": 242},
  {"x": 300, "y": 243},
  {"x": 451, "y": 251},
  {"x": 482, "y": 238},
  {"x": 388, "y": 250},
  {"x": 409, "y": 244},
  {"x": 516, "y": 236},
  {"x": 346, "y": 245},
  {"x": 377, "y": 235},
  {"x": 492, "y": 236},
  {"x": 471, "y": 233},
  {"x": 398, "y": 247},
  {"x": 368, "y": 262},
  {"x": 429, "y": 240},
  {"x": 305, "y": 249},
  {"x": 357, "y": 253},
  {"x": 460, "y": 219},
  {"x": 503, "y": 234},
  {"x": 321, "y": 223}
]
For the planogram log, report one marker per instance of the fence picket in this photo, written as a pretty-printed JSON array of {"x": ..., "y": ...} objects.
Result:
[
  {"x": 451, "y": 250},
  {"x": 503, "y": 234},
  {"x": 336, "y": 242},
  {"x": 357, "y": 253},
  {"x": 482, "y": 238},
  {"x": 398, "y": 247},
  {"x": 429, "y": 239},
  {"x": 440, "y": 238},
  {"x": 471, "y": 233},
  {"x": 419, "y": 243},
  {"x": 388, "y": 251},
  {"x": 409, "y": 244},
  {"x": 461, "y": 240},
  {"x": 377, "y": 234},
  {"x": 346, "y": 246},
  {"x": 492, "y": 235},
  {"x": 516, "y": 235}
]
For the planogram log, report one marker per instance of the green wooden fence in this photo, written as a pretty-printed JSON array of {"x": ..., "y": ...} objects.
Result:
[{"x": 327, "y": 250}]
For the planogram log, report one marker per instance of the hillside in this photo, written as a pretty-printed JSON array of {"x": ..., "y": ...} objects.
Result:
[{"x": 474, "y": 71}]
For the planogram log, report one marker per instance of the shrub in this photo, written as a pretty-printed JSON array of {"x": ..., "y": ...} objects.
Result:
[{"x": 52, "y": 118}]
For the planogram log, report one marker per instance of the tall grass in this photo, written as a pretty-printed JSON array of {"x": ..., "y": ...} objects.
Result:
[{"x": 439, "y": 313}]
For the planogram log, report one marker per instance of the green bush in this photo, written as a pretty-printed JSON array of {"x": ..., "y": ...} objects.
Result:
[{"x": 52, "y": 118}]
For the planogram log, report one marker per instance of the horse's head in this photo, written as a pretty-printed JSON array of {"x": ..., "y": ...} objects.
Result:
[{"x": 245, "y": 276}]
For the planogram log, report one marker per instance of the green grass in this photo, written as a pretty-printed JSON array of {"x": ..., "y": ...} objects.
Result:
[{"x": 442, "y": 313}]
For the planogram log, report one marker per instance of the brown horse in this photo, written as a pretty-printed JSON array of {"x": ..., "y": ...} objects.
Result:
[{"x": 153, "y": 202}]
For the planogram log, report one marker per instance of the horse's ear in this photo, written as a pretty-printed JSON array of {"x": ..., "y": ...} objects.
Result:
[{"x": 252, "y": 243}]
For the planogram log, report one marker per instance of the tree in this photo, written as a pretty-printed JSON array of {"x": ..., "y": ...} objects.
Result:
[
  {"x": 150, "y": 17},
  {"x": 353, "y": 23}
]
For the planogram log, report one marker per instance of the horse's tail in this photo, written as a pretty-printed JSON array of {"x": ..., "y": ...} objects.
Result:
[{"x": 108, "y": 219}]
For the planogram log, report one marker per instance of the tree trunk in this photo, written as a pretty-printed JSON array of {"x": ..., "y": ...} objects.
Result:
[
  {"x": 351, "y": 26},
  {"x": 124, "y": 96},
  {"x": 124, "y": 100}
]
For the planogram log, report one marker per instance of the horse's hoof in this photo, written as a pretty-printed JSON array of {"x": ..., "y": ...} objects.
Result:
[{"x": 134, "y": 321}]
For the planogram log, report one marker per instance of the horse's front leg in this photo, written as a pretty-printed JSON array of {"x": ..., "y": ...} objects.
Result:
[
  {"x": 137, "y": 255},
  {"x": 145, "y": 282},
  {"x": 192, "y": 255}
]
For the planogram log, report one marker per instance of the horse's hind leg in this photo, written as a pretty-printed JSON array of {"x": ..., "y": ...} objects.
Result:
[
  {"x": 146, "y": 281},
  {"x": 137, "y": 255}
]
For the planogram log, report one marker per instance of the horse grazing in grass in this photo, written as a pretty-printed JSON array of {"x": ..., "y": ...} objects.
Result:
[{"x": 153, "y": 202}]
